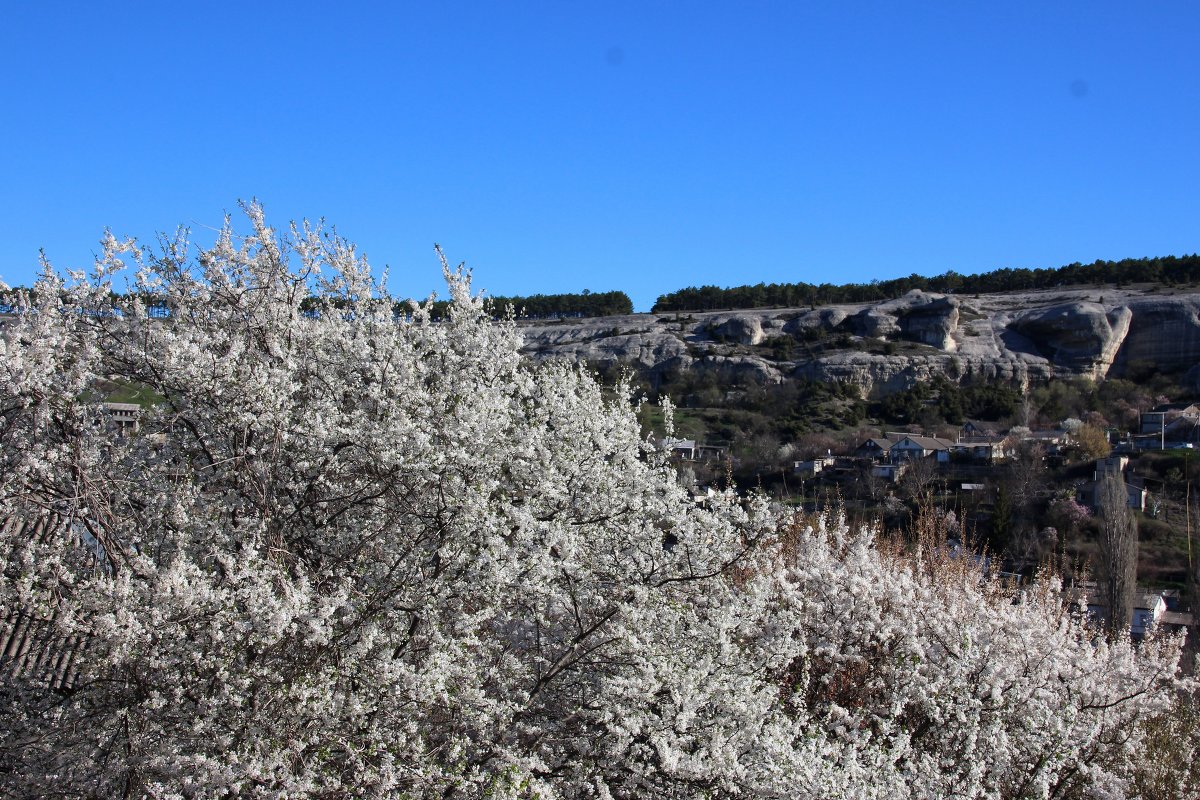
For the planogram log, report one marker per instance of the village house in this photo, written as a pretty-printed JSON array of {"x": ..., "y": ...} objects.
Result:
[
  {"x": 1109, "y": 465},
  {"x": 1148, "y": 609},
  {"x": 684, "y": 449},
  {"x": 813, "y": 466},
  {"x": 1089, "y": 493},
  {"x": 1168, "y": 426},
  {"x": 972, "y": 431},
  {"x": 124, "y": 416},
  {"x": 875, "y": 448},
  {"x": 1181, "y": 431},
  {"x": 1053, "y": 441},
  {"x": 888, "y": 472},
  {"x": 981, "y": 450},
  {"x": 1160, "y": 419},
  {"x": 711, "y": 452},
  {"x": 913, "y": 447},
  {"x": 691, "y": 450}
]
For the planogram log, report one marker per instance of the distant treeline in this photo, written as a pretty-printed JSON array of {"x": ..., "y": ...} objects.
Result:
[
  {"x": 1168, "y": 270},
  {"x": 584, "y": 304},
  {"x": 545, "y": 306},
  {"x": 538, "y": 306}
]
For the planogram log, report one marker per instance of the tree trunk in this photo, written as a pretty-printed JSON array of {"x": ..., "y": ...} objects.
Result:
[{"x": 1117, "y": 571}]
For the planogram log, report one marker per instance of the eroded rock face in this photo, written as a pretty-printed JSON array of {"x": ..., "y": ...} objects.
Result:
[
  {"x": 747, "y": 330},
  {"x": 874, "y": 323},
  {"x": 879, "y": 375},
  {"x": 739, "y": 369},
  {"x": 825, "y": 318},
  {"x": 1018, "y": 337},
  {"x": 932, "y": 322},
  {"x": 1082, "y": 337},
  {"x": 605, "y": 341},
  {"x": 916, "y": 317},
  {"x": 1164, "y": 333}
]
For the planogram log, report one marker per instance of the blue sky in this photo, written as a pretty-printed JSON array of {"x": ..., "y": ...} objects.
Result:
[{"x": 643, "y": 146}]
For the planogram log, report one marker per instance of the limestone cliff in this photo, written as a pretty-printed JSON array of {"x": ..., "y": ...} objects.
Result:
[{"x": 883, "y": 347}]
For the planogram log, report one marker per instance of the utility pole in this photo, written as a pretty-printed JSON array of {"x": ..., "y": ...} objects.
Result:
[{"x": 1187, "y": 510}]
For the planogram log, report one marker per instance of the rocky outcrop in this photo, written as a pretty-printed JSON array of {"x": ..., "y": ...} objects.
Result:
[
  {"x": 605, "y": 341},
  {"x": 881, "y": 375},
  {"x": 882, "y": 347},
  {"x": 747, "y": 330},
  {"x": 932, "y": 321},
  {"x": 916, "y": 317},
  {"x": 739, "y": 369},
  {"x": 1082, "y": 337},
  {"x": 816, "y": 319},
  {"x": 1164, "y": 334}
]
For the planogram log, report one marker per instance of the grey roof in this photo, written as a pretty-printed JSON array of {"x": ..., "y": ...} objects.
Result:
[
  {"x": 928, "y": 442},
  {"x": 1147, "y": 600},
  {"x": 32, "y": 648}
]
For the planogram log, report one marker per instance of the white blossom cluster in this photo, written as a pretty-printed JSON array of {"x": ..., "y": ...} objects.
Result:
[{"x": 355, "y": 554}]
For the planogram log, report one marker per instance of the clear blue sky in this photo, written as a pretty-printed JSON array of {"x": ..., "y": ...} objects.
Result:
[{"x": 643, "y": 146}]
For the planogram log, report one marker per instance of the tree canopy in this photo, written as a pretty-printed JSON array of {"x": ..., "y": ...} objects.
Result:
[
  {"x": 543, "y": 306},
  {"x": 355, "y": 555},
  {"x": 1168, "y": 269}
]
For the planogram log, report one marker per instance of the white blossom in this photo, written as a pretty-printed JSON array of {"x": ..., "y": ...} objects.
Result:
[{"x": 355, "y": 553}]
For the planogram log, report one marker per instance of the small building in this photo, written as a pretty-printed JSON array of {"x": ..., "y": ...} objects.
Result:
[
  {"x": 1053, "y": 441},
  {"x": 972, "y": 430},
  {"x": 1160, "y": 419},
  {"x": 684, "y": 449},
  {"x": 1088, "y": 494},
  {"x": 981, "y": 450},
  {"x": 1149, "y": 610},
  {"x": 1110, "y": 465},
  {"x": 813, "y": 466},
  {"x": 875, "y": 448},
  {"x": 1182, "y": 431},
  {"x": 888, "y": 472},
  {"x": 1152, "y": 422},
  {"x": 1174, "y": 621},
  {"x": 913, "y": 447},
  {"x": 691, "y": 450},
  {"x": 711, "y": 452},
  {"x": 124, "y": 416}
]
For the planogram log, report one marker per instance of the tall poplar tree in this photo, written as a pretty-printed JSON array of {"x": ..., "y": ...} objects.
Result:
[{"x": 1117, "y": 572}]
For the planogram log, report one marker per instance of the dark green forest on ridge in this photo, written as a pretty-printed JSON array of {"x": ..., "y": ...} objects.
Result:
[{"x": 1169, "y": 270}]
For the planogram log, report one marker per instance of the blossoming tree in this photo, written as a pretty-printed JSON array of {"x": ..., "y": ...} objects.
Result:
[{"x": 355, "y": 554}]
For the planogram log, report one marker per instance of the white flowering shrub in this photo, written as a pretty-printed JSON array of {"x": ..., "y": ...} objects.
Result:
[{"x": 355, "y": 554}]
